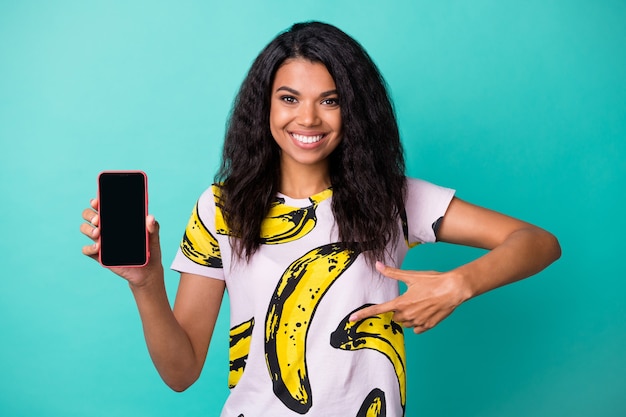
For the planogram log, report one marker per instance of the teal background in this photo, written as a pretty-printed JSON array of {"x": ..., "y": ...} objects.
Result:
[{"x": 520, "y": 106}]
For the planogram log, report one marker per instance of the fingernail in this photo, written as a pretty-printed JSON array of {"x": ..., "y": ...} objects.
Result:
[
  {"x": 379, "y": 265},
  {"x": 353, "y": 317}
]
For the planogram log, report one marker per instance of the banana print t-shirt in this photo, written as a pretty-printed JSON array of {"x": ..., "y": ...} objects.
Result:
[{"x": 293, "y": 350}]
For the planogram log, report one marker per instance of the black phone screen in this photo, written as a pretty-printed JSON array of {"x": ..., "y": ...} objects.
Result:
[{"x": 122, "y": 210}]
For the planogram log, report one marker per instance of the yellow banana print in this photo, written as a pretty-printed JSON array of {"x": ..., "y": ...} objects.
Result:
[
  {"x": 199, "y": 245},
  {"x": 240, "y": 337},
  {"x": 291, "y": 309},
  {"x": 374, "y": 405},
  {"x": 379, "y": 333},
  {"x": 285, "y": 224},
  {"x": 282, "y": 224},
  {"x": 220, "y": 223}
]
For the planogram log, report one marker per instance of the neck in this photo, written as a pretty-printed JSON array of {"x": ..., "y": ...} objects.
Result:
[{"x": 304, "y": 181}]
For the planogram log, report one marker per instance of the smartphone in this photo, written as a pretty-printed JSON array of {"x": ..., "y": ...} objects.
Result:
[{"x": 123, "y": 207}]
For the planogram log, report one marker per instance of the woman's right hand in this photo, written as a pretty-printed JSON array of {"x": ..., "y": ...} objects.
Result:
[{"x": 136, "y": 276}]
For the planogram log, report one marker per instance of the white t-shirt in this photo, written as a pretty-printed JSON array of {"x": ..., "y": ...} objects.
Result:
[{"x": 292, "y": 349}]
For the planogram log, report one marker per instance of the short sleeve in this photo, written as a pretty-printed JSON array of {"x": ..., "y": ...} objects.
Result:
[
  {"x": 426, "y": 203},
  {"x": 199, "y": 251}
]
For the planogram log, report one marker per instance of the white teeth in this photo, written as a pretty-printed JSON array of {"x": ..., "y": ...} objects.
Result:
[{"x": 307, "y": 139}]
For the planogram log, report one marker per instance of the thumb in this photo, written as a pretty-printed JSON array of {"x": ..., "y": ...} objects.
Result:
[
  {"x": 153, "y": 235},
  {"x": 152, "y": 225}
]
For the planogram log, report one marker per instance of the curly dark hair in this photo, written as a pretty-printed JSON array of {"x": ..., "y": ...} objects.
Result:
[{"x": 366, "y": 169}]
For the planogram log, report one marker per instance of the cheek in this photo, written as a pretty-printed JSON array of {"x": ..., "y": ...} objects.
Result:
[
  {"x": 277, "y": 125},
  {"x": 338, "y": 125},
  {"x": 274, "y": 121},
  {"x": 278, "y": 118},
  {"x": 336, "y": 121}
]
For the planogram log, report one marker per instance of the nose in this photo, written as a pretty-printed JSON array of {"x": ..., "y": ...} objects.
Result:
[{"x": 307, "y": 114}]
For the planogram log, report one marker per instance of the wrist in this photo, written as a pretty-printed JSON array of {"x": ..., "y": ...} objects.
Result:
[
  {"x": 154, "y": 280},
  {"x": 463, "y": 285}
]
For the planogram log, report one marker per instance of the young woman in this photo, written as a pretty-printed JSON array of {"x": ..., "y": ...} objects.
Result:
[{"x": 308, "y": 222}]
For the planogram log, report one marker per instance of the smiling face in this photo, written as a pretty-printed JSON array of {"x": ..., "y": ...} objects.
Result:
[{"x": 305, "y": 117}]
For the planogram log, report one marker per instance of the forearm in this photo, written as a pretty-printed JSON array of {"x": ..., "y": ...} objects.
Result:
[
  {"x": 525, "y": 252},
  {"x": 168, "y": 344}
]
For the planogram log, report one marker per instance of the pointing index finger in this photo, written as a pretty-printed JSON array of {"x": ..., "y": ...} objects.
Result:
[
  {"x": 372, "y": 311},
  {"x": 391, "y": 272}
]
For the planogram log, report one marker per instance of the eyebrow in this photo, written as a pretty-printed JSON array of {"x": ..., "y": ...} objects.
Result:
[{"x": 297, "y": 93}]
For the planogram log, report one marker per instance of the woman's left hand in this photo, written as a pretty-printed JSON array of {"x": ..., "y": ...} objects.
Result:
[
  {"x": 516, "y": 250},
  {"x": 430, "y": 297}
]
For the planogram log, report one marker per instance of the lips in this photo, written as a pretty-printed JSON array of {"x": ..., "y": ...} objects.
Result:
[{"x": 307, "y": 138}]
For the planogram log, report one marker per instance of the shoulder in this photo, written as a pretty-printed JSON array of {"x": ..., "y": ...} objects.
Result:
[
  {"x": 209, "y": 200},
  {"x": 423, "y": 192},
  {"x": 211, "y": 194},
  {"x": 425, "y": 204}
]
